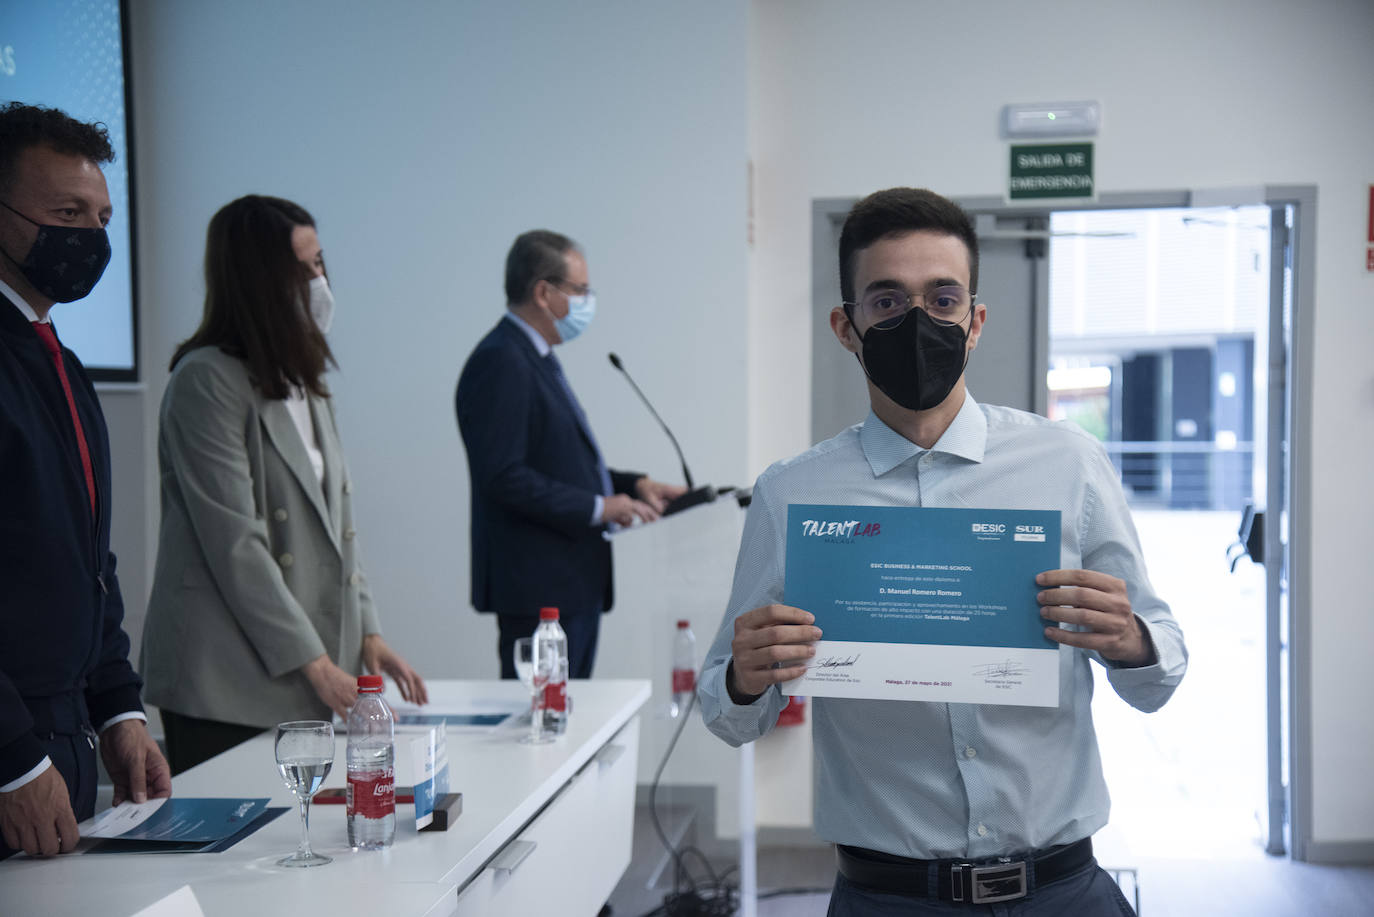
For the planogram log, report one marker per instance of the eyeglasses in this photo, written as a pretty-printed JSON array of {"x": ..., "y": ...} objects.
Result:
[
  {"x": 577, "y": 290},
  {"x": 885, "y": 308}
]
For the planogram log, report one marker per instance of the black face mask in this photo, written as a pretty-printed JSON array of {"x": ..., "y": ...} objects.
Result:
[
  {"x": 918, "y": 363},
  {"x": 65, "y": 262}
]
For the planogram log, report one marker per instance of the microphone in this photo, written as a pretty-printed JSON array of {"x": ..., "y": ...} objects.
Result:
[{"x": 694, "y": 495}]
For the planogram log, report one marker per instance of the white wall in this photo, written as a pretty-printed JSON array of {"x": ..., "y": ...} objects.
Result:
[
  {"x": 424, "y": 136},
  {"x": 850, "y": 98}
]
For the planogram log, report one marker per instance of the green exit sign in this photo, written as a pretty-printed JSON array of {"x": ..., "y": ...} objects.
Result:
[{"x": 1051, "y": 170}]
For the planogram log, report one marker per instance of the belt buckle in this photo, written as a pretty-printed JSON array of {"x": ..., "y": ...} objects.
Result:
[{"x": 989, "y": 884}]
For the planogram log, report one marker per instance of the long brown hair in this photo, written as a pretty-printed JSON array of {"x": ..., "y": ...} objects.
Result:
[{"x": 257, "y": 295}]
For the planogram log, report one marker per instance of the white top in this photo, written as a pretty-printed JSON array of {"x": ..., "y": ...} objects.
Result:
[
  {"x": 23, "y": 306},
  {"x": 298, "y": 406}
]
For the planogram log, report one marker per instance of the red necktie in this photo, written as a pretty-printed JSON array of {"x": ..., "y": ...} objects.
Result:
[{"x": 45, "y": 333}]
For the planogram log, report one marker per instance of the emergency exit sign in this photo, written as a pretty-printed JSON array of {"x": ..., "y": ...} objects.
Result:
[{"x": 1051, "y": 170}]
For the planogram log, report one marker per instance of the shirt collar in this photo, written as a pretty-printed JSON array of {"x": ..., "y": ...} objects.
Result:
[
  {"x": 885, "y": 448},
  {"x": 535, "y": 337},
  {"x": 20, "y": 304}
]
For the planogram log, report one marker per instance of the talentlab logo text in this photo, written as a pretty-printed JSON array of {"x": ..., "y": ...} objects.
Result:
[{"x": 812, "y": 528}]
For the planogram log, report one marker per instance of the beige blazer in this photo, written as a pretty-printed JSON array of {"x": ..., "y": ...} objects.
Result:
[{"x": 257, "y": 563}]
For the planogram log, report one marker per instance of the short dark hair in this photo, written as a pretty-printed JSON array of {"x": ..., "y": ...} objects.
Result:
[
  {"x": 534, "y": 256},
  {"x": 24, "y": 126},
  {"x": 896, "y": 212},
  {"x": 257, "y": 296}
]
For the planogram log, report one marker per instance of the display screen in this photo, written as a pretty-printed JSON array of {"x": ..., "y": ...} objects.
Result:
[{"x": 69, "y": 54}]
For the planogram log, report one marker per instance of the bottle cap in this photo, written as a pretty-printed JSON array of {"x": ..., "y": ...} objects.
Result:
[
  {"x": 548, "y": 614},
  {"x": 683, "y": 624},
  {"x": 369, "y": 683}
]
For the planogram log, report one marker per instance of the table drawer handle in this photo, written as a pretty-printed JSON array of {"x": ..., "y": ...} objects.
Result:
[
  {"x": 608, "y": 755},
  {"x": 509, "y": 859}
]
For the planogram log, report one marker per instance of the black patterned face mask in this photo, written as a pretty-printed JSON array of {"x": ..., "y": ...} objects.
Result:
[
  {"x": 65, "y": 262},
  {"x": 917, "y": 363}
]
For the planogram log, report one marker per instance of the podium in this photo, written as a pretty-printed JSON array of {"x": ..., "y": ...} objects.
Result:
[{"x": 678, "y": 568}]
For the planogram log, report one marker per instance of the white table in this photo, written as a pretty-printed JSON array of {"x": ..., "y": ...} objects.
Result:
[{"x": 544, "y": 828}]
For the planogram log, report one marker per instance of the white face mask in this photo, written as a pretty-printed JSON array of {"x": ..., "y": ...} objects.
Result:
[{"x": 321, "y": 303}]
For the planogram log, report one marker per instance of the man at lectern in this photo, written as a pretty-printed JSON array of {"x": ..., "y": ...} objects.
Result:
[
  {"x": 65, "y": 678},
  {"x": 934, "y": 805},
  {"x": 543, "y": 498}
]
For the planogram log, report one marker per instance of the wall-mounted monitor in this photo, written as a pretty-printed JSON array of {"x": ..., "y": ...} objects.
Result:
[{"x": 70, "y": 54}]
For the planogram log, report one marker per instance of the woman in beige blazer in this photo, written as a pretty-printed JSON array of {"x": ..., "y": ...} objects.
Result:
[{"x": 260, "y": 611}]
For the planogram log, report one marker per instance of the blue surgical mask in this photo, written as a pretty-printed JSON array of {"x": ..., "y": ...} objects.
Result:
[{"x": 581, "y": 311}]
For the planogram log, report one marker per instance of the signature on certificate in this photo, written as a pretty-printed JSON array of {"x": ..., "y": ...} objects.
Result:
[
  {"x": 1008, "y": 669},
  {"x": 835, "y": 662}
]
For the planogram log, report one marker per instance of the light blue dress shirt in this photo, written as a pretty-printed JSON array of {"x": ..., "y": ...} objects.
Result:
[{"x": 929, "y": 780}]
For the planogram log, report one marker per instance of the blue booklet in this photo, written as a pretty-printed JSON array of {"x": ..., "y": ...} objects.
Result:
[{"x": 178, "y": 825}]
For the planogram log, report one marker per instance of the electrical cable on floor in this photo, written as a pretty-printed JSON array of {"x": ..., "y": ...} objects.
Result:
[{"x": 714, "y": 895}]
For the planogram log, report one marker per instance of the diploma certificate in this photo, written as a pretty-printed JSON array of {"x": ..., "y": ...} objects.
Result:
[{"x": 929, "y": 604}]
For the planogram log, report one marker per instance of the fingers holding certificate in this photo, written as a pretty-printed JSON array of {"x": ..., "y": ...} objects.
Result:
[
  {"x": 772, "y": 644},
  {"x": 1097, "y": 604}
]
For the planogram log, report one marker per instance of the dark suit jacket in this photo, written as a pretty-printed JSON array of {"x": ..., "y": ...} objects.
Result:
[
  {"x": 534, "y": 483},
  {"x": 60, "y": 607}
]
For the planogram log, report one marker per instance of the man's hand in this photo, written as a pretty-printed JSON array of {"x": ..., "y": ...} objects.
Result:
[
  {"x": 37, "y": 818},
  {"x": 134, "y": 761},
  {"x": 623, "y": 510},
  {"x": 334, "y": 686},
  {"x": 382, "y": 659},
  {"x": 1100, "y": 604},
  {"x": 772, "y": 644},
  {"x": 656, "y": 493}
]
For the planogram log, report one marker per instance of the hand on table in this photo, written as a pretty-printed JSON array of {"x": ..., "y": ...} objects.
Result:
[
  {"x": 382, "y": 659},
  {"x": 37, "y": 818},
  {"x": 333, "y": 685},
  {"x": 656, "y": 493},
  {"x": 134, "y": 762},
  {"x": 623, "y": 510}
]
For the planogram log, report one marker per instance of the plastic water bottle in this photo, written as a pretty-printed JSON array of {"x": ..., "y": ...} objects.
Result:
[
  {"x": 551, "y": 655},
  {"x": 371, "y": 768},
  {"x": 684, "y": 666}
]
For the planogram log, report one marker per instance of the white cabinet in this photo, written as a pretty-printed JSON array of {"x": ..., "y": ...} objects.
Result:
[{"x": 574, "y": 851}]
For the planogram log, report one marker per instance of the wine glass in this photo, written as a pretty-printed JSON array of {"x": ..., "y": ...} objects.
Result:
[
  {"x": 524, "y": 670},
  {"x": 305, "y": 753},
  {"x": 528, "y": 669}
]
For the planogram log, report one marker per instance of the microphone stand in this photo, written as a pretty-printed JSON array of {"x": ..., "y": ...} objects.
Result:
[{"x": 694, "y": 495}]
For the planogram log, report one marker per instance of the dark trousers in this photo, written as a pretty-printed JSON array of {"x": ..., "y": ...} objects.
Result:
[
  {"x": 582, "y": 631},
  {"x": 191, "y": 740},
  {"x": 63, "y": 726}
]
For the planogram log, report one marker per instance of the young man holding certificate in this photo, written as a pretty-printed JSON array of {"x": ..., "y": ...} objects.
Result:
[{"x": 951, "y": 764}]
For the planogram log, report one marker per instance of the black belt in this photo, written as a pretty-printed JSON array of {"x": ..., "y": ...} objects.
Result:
[{"x": 963, "y": 881}]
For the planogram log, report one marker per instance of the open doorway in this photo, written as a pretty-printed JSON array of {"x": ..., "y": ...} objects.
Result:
[{"x": 1155, "y": 319}]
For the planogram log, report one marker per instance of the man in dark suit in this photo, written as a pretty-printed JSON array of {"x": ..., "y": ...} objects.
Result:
[
  {"x": 542, "y": 496},
  {"x": 64, "y": 658}
]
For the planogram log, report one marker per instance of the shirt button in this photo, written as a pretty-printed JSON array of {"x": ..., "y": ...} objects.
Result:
[
  {"x": 279, "y": 515},
  {"x": 970, "y": 752},
  {"x": 349, "y": 534},
  {"x": 354, "y": 579},
  {"x": 286, "y": 560},
  {"x": 348, "y": 487},
  {"x": 982, "y": 831}
]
